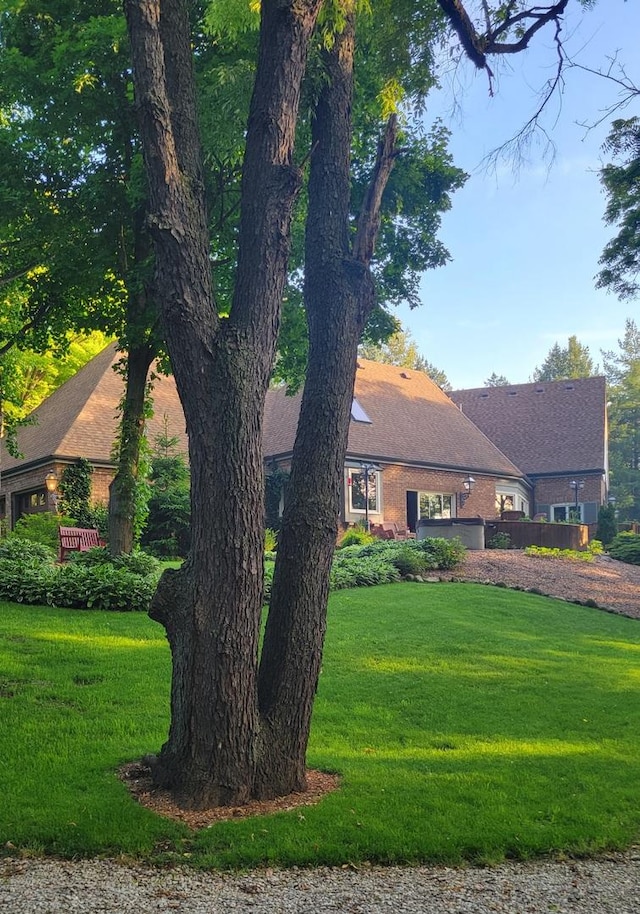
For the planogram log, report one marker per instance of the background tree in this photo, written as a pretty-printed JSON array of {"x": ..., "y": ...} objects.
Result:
[
  {"x": 73, "y": 236},
  {"x": 621, "y": 180},
  {"x": 622, "y": 369},
  {"x": 496, "y": 380},
  {"x": 168, "y": 528},
  {"x": 570, "y": 361}
]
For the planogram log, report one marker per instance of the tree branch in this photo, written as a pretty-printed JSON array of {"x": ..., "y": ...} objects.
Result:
[{"x": 369, "y": 218}]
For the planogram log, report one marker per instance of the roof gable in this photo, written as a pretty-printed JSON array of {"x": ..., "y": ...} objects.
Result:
[
  {"x": 411, "y": 421},
  {"x": 80, "y": 418}
]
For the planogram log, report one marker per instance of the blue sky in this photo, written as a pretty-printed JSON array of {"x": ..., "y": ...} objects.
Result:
[{"x": 525, "y": 241}]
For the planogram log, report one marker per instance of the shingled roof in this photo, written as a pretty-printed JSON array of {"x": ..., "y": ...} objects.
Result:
[
  {"x": 550, "y": 427},
  {"x": 411, "y": 422},
  {"x": 79, "y": 419}
]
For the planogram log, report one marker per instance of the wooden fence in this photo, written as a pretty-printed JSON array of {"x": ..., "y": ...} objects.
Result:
[{"x": 532, "y": 533}]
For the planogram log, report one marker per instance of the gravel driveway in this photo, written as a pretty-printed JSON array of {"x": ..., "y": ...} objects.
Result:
[
  {"x": 605, "y": 886},
  {"x": 608, "y": 885}
]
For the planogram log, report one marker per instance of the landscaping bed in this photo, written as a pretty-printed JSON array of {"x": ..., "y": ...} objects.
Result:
[{"x": 610, "y": 584}]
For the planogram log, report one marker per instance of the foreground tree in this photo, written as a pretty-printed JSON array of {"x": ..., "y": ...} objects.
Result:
[{"x": 235, "y": 731}]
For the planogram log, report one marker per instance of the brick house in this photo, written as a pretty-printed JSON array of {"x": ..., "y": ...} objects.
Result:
[
  {"x": 420, "y": 446},
  {"x": 79, "y": 419},
  {"x": 556, "y": 432}
]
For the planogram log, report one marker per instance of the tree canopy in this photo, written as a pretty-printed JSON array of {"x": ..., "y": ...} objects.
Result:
[
  {"x": 401, "y": 349},
  {"x": 622, "y": 369},
  {"x": 620, "y": 259},
  {"x": 570, "y": 361}
]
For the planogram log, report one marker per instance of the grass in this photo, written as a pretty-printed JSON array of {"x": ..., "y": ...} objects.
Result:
[{"x": 467, "y": 722}]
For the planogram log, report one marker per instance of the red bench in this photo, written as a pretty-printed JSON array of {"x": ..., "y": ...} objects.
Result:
[{"x": 77, "y": 539}]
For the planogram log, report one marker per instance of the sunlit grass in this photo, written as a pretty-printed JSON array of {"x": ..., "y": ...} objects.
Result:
[{"x": 466, "y": 722}]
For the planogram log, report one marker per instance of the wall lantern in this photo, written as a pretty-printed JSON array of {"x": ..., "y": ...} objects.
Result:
[
  {"x": 51, "y": 482},
  {"x": 468, "y": 484}
]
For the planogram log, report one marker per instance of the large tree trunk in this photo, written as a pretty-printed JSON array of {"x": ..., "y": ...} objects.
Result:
[
  {"x": 211, "y": 607},
  {"x": 339, "y": 295},
  {"x": 123, "y": 488}
]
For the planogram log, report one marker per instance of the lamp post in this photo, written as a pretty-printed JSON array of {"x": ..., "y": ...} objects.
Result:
[
  {"x": 366, "y": 469},
  {"x": 468, "y": 484},
  {"x": 51, "y": 482},
  {"x": 576, "y": 485}
]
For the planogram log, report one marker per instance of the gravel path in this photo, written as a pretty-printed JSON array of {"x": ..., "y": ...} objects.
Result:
[
  {"x": 608, "y": 885},
  {"x": 605, "y": 886}
]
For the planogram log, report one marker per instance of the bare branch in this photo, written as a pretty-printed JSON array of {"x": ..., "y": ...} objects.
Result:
[
  {"x": 629, "y": 90},
  {"x": 369, "y": 218},
  {"x": 523, "y": 136}
]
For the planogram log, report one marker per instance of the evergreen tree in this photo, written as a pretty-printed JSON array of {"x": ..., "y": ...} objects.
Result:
[
  {"x": 496, "y": 380},
  {"x": 570, "y": 361},
  {"x": 621, "y": 180},
  {"x": 622, "y": 370}
]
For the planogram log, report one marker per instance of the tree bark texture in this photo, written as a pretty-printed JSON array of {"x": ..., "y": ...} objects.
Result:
[
  {"x": 122, "y": 491},
  {"x": 339, "y": 295},
  {"x": 211, "y": 607}
]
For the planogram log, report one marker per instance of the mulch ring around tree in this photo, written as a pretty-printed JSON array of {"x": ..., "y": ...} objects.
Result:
[{"x": 137, "y": 778}]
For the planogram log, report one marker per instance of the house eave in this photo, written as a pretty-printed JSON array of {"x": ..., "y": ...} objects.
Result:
[{"x": 29, "y": 465}]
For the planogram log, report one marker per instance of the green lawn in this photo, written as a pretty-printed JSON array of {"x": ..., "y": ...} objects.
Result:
[{"x": 467, "y": 722}]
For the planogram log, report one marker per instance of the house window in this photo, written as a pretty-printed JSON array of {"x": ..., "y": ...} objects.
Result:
[
  {"x": 359, "y": 488},
  {"x": 435, "y": 505},
  {"x": 566, "y": 513},
  {"x": 505, "y": 503}
]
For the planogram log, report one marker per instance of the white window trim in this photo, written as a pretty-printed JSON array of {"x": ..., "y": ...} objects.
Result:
[
  {"x": 570, "y": 507},
  {"x": 378, "y": 484}
]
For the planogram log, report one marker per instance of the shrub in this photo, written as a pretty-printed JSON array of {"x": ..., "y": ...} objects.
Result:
[
  {"x": 500, "y": 541},
  {"x": 76, "y": 586},
  {"x": 607, "y": 526},
  {"x": 356, "y": 536},
  {"x": 270, "y": 540},
  {"x": 16, "y": 549},
  {"x": 363, "y": 571},
  {"x": 551, "y": 553},
  {"x": 444, "y": 554},
  {"x": 137, "y": 562},
  {"x": 168, "y": 529},
  {"x": 41, "y": 528},
  {"x": 409, "y": 559},
  {"x": 626, "y": 548}
]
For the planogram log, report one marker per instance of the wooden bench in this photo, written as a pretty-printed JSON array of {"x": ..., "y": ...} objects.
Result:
[{"x": 76, "y": 539}]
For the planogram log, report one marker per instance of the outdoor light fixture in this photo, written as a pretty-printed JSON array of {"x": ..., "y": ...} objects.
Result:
[
  {"x": 51, "y": 482},
  {"x": 468, "y": 484},
  {"x": 367, "y": 468},
  {"x": 576, "y": 485}
]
